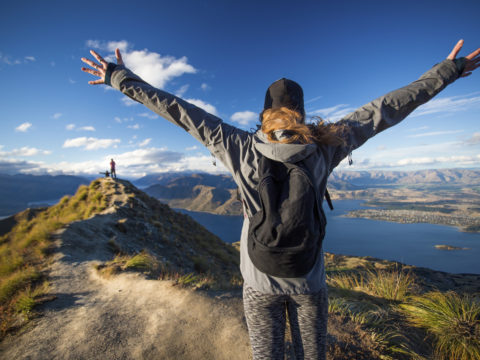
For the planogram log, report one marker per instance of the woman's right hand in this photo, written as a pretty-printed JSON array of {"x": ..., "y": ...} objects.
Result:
[
  {"x": 101, "y": 68},
  {"x": 472, "y": 60}
]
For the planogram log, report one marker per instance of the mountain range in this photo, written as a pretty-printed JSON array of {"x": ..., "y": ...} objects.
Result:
[
  {"x": 217, "y": 193},
  {"x": 214, "y": 193}
]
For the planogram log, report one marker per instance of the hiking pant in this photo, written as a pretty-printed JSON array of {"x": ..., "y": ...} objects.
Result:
[{"x": 266, "y": 316}]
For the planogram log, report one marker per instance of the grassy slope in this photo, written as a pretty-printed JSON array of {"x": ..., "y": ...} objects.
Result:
[
  {"x": 24, "y": 252},
  {"x": 190, "y": 254},
  {"x": 406, "y": 318}
]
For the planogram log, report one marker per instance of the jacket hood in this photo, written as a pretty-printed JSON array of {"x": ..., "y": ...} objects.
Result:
[{"x": 283, "y": 152}]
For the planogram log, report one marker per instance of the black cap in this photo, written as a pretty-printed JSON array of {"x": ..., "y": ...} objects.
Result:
[{"x": 284, "y": 92}]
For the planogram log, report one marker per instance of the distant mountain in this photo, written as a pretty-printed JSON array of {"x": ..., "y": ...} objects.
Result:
[
  {"x": 186, "y": 179},
  {"x": 18, "y": 191},
  {"x": 197, "y": 192},
  {"x": 217, "y": 193},
  {"x": 364, "y": 179},
  {"x": 213, "y": 193}
]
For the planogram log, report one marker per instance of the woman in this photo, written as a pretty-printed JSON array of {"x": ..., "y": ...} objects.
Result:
[{"x": 284, "y": 137}]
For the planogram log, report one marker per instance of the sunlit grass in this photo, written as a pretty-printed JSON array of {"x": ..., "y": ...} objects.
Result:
[
  {"x": 24, "y": 250},
  {"x": 394, "y": 285},
  {"x": 452, "y": 319}
]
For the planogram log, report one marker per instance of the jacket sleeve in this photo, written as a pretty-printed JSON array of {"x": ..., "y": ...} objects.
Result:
[
  {"x": 223, "y": 140},
  {"x": 390, "y": 109}
]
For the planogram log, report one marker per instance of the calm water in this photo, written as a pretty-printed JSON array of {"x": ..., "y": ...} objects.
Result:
[{"x": 408, "y": 243}]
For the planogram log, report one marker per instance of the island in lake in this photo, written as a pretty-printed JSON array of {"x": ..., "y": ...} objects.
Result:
[{"x": 450, "y": 247}]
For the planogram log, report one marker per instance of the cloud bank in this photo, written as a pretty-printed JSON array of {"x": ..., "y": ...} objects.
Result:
[{"x": 153, "y": 67}]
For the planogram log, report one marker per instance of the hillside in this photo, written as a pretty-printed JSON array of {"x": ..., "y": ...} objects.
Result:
[
  {"x": 111, "y": 273},
  {"x": 115, "y": 241},
  {"x": 196, "y": 192}
]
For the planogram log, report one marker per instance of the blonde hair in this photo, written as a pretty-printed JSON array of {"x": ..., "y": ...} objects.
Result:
[{"x": 293, "y": 122}]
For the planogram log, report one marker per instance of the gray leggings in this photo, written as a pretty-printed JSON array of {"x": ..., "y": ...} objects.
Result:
[{"x": 266, "y": 315}]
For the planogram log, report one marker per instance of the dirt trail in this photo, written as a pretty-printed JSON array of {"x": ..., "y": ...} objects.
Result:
[{"x": 127, "y": 316}]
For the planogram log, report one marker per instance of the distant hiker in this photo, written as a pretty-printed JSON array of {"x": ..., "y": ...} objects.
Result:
[
  {"x": 106, "y": 173},
  {"x": 285, "y": 275},
  {"x": 112, "y": 169}
]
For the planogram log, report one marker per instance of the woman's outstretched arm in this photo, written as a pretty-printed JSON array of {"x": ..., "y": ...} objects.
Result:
[
  {"x": 226, "y": 142},
  {"x": 390, "y": 109}
]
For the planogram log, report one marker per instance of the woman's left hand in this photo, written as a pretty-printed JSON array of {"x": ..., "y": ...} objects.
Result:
[
  {"x": 472, "y": 60},
  {"x": 101, "y": 68}
]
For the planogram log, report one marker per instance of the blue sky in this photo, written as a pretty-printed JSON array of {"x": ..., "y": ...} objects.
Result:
[{"x": 222, "y": 55}]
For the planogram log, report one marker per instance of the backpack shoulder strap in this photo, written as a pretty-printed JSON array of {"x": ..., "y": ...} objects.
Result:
[{"x": 329, "y": 200}]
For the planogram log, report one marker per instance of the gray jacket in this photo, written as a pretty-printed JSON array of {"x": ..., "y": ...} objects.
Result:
[{"x": 239, "y": 150}]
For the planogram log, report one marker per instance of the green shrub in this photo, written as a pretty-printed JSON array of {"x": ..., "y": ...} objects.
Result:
[
  {"x": 143, "y": 261},
  {"x": 393, "y": 285},
  {"x": 453, "y": 320},
  {"x": 15, "y": 282}
]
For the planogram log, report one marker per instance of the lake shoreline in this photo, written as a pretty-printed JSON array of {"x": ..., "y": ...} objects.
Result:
[{"x": 462, "y": 223}]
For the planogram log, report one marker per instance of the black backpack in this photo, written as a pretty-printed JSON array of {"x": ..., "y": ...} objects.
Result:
[{"x": 285, "y": 235}]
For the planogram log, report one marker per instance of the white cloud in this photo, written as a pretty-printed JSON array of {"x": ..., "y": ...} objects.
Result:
[
  {"x": 475, "y": 139},
  {"x": 419, "y": 128},
  {"x": 86, "y": 128},
  {"x": 71, "y": 81},
  {"x": 93, "y": 44},
  {"x": 460, "y": 160},
  {"x": 205, "y": 106},
  {"x": 23, "y": 127},
  {"x": 448, "y": 104},
  {"x": 136, "y": 163},
  {"x": 244, "y": 117},
  {"x": 205, "y": 87},
  {"x": 145, "y": 142},
  {"x": 57, "y": 115},
  {"x": 183, "y": 89},
  {"x": 134, "y": 127},
  {"x": 70, "y": 127},
  {"x": 414, "y": 163},
  {"x": 313, "y": 100},
  {"x": 333, "y": 113},
  {"x": 25, "y": 151},
  {"x": 436, "y": 133},
  {"x": 90, "y": 143},
  {"x": 191, "y": 148},
  {"x": 7, "y": 59},
  {"x": 149, "y": 115},
  {"x": 154, "y": 68},
  {"x": 128, "y": 102}
]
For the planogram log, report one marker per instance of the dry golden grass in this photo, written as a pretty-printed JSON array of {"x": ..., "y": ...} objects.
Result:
[{"x": 24, "y": 250}]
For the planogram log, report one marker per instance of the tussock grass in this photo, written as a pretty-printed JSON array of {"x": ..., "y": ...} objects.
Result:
[
  {"x": 392, "y": 285},
  {"x": 143, "y": 261},
  {"x": 24, "y": 250},
  {"x": 452, "y": 319},
  {"x": 147, "y": 264},
  {"x": 398, "y": 317}
]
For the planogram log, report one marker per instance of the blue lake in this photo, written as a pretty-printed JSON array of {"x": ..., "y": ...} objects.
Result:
[{"x": 412, "y": 244}]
